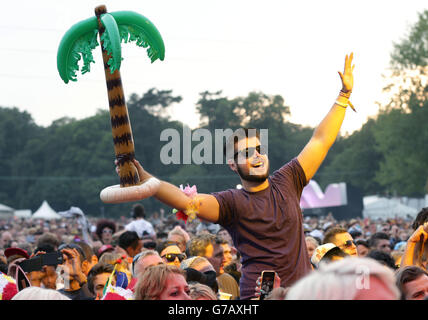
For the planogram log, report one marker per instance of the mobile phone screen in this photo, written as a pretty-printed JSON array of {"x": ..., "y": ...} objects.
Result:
[{"x": 268, "y": 278}]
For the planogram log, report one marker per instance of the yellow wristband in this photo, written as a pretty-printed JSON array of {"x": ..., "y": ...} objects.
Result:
[{"x": 344, "y": 105}]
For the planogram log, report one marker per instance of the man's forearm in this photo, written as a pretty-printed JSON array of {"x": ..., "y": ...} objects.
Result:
[
  {"x": 172, "y": 196},
  {"x": 206, "y": 205},
  {"x": 167, "y": 193},
  {"x": 327, "y": 131},
  {"x": 323, "y": 138}
]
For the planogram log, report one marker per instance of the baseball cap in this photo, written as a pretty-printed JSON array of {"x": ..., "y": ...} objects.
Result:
[
  {"x": 16, "y": 251},
  {"x": 321, "y": 251}
]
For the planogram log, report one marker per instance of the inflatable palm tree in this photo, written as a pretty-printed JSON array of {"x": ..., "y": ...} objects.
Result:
[{"x": 79, "y": 41}]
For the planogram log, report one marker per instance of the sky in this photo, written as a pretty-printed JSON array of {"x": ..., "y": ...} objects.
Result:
[{"x": 291, "y": 48}]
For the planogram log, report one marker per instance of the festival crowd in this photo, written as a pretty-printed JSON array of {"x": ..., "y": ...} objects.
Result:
[{"x": 153, "y": 257}]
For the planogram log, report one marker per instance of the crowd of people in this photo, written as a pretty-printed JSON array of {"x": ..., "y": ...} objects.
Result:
[{"x": 162, "y": 258}]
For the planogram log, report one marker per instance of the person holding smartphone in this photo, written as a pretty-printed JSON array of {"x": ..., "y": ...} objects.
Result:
[
  {"x": 264, "y": 217},
  {"x": 72, "y": 273}
]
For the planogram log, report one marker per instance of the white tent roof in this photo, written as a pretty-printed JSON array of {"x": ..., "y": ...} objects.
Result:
[
  {"x": 4, "y": 208},
  {"x": 45, "y": 212},
  {"x": 386, "y": 208},
  {"x": 26, "y": 213}
]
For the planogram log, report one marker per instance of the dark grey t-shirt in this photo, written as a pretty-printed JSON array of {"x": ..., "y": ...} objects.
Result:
[{"x": 266, "y": 228}]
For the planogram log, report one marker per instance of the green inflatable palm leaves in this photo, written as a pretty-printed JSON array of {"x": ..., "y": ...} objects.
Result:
[{"x": 127, "y": 26}]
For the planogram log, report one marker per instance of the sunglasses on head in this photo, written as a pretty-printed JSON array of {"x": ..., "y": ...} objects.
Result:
[
  {"x": 249, "y": 152},
  {"x": 170, "y": 257}
]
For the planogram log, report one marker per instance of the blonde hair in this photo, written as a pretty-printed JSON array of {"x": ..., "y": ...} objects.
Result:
[
  {"x": 339, "y": 280},
  {"x": 313, "y": 240},
  {"x": 181, "y": 232},
  {"x": 198, "y": 263},
  {"x": 37, "y": 293},
  {"x": 136, "y": 266},
  {"x": 199, "y": 290},
  {"x": 151, "y": 282},
  {"x": 112, "y": 258}
]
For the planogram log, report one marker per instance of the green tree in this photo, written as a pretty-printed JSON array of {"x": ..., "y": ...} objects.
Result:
[
  {"x": 16, "y": 129},
  {"x": 402, "y": 138},
  {"x": 217, "y": 112},
  {"x": 401, "y": 134},
  {"x": 356, "y": 163},
  {"x": 412, "y": 51}
]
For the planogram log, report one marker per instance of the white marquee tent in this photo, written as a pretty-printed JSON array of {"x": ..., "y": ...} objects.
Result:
[
  {"x": 45, "y": 212},
  {"x": 25, "y": 213},
  {"x": 5, "y": 209},
  {"x": 377, "y": 207}
]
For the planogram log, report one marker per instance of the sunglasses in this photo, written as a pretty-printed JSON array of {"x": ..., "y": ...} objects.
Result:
[
  {"x": 108, "y": 231},
  {"x": 348, "y": 243},
  {"x": 170, "y": 257},
  {"x": 249, "y": 152}
]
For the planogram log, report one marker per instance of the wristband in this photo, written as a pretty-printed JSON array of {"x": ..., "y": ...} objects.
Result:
[
  {"x": 345, "y": 94},
  {"x": 343, "y": 105}
]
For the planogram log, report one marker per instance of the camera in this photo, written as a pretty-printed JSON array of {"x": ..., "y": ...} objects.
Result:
[{"x": 36, "y": 263}]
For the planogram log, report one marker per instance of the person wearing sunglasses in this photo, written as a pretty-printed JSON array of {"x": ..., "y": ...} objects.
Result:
[
  {"x": 105, "y": 230},
  {"x": 170, "y": 253},
  {"x": 340, "y": 237},
  {"x": 264, "y": 216}
]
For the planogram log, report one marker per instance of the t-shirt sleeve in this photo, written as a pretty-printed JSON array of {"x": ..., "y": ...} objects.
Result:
[
  {"x": 226, "y": 207},
  {"x": 291, "y": 175},
  {"x": 130, "y": 227}
]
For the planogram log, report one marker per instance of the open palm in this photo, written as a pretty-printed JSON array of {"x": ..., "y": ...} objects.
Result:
[{"x": 347, "y": 76}]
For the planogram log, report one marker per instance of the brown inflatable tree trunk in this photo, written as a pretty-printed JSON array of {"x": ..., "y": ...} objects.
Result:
[{"x": 120, "y": 124}]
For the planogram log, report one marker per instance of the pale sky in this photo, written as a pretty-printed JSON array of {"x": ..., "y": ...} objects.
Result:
[{"x": 290, "y": 48}]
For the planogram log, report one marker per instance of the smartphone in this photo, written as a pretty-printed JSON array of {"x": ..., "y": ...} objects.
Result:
[
  {"x": 52, "y": 259},
  {"x": 268, "y": 280},
  {"x": 37, "y": 263},
  {"x": 30, "y": 265}
]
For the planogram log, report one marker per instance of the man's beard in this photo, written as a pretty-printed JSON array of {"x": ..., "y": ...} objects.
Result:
[{"x": 253, "y": 177}]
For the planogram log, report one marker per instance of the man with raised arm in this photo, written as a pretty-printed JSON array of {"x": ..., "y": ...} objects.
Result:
[{"x": 264, "y": 217}]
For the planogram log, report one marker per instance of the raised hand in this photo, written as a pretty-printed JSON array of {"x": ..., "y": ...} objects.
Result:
[
  {"x": 72, "y": 269},
  {"x": 420, "y": 232},
  {"x": 347, "y": 76},
  {"x": 144, "y": 175}
]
